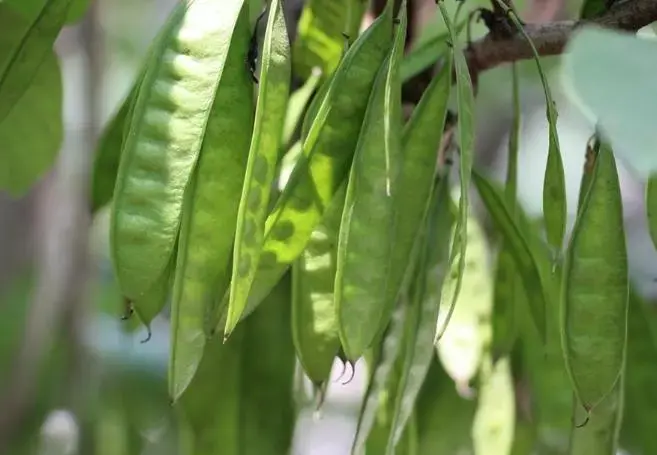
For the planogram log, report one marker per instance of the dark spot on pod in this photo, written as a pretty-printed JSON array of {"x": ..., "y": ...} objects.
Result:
[
  {"x": 252, "y": 54},
  {"x": 129, "y": 309}
]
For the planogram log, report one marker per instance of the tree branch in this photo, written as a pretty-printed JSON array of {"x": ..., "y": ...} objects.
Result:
[{"x": 550, "y": 39}]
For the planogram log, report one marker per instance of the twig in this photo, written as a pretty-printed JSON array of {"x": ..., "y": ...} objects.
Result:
[{"x": 550, "y": 39}]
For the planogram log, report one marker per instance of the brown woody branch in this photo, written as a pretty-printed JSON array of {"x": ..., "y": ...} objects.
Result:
[{"x": 550, "y": 39}]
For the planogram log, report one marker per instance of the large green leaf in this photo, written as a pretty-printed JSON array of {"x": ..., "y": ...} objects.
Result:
[
  {"x": 240, "y": 400},
  {"x": 640, "y": 414},
  {"x": 32, "y": 132},
  {"x": 30, "y": 8},
  {"x": 444, "y": 419},
  {"x": 611, "y": 77}
]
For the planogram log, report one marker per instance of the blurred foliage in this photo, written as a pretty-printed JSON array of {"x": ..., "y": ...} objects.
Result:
[{"x": 241, "y": 400}]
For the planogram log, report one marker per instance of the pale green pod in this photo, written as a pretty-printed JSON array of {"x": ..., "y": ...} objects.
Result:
[
  {"x": 323, "y": 164},
  {"x": 595, "y": 286},
  {"x": 466, "y": 140},
  {"x": 365, "y": 249},
  {"x": 206, "y": 234},
  {"x": 273, "y": 92},
  {"x": 492, "y": 430},
  {"x": 314, "y": 323},
  {"x": 465, "y": 340},
  {"x": 164, "y": 139}
]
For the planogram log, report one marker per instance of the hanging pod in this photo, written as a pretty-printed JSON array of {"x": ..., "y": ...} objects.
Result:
[
  {"x": 421, "y": 138},
  {"x": 164, "y": 139},
  {"x": 241, "y": 400},
  {"x": 527, "y": 258},
  {"x": 314, "y": 323},
  {"x": 210, "y": 209},
  {"x": 466, "y": 338},
  {"x": 323, "y": 165},
  {"x": 418, "y": 350},
  {"x": 367, "y": 230},
  {"x": 370, "y": 436},
  {"x": 507, "y": 283},
  {"x": 554, "y": 182},
  {"x": 466, "y": 126},
  {"x": 273, "y": 92},
  {"x": 595, "y": 286}
]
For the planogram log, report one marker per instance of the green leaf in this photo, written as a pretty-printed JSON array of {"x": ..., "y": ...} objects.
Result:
[
  {"x": 108, "y": 151},
  {"x": 640, "y": 416},
  {"x": 39, "y": 108},
  {"x": 27, "y": 52},
  {"x": 526, "y": 261},
  {"x": 610, "y": 76},
  {"x": 506, "y": 279},
  {"x": 240, "y": 401},
  {"x": 444, "y": 419},
  {"x": 31, "y": 8},
  {"x": 430, "y": 272}
]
